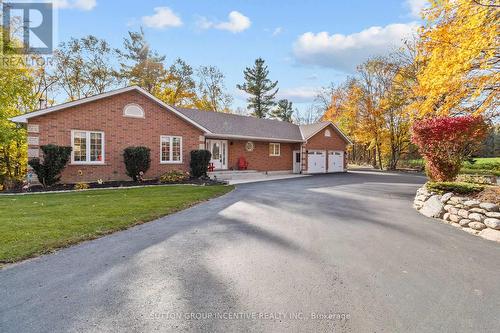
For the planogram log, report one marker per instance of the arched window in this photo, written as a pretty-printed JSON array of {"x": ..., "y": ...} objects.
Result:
[
  {"x": 133, "y": 110},
  {"x": 328, "y": 133}
]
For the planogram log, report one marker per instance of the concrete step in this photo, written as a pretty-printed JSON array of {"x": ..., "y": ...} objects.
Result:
[{"x": 235, "y": 174}]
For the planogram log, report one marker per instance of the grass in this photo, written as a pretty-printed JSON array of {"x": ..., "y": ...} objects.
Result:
[
  {"x": 455, "y": 187},
  {"x": 34, "y": 224},
  {"x": 481, "y": 166}
]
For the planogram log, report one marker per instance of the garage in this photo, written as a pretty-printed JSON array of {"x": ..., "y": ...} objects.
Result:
[
  {"x": 335, "y": 161},
  {"x": 316, "y": 161}
]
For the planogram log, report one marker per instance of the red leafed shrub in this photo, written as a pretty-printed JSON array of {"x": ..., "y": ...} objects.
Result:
[{"x": 445, "y": 142}]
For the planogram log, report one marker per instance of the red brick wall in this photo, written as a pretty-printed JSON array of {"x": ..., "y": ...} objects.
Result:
[
  {"x": 119, "y": 132},
  {"x": 322, "y": 142},
  {"x": 259, "y": 158}
]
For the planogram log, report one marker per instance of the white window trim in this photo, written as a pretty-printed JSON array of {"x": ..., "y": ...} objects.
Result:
[
  {"x": 279, "y": 149},
  {"x": 171, "y": 138},
  {"x": 328, "y": 133},
  {"x": 73, "y": 162},
  {"x": 130, "y": 116}
]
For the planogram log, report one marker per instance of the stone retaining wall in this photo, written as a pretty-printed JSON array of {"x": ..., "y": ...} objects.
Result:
[{"x": 472, "y": 216}]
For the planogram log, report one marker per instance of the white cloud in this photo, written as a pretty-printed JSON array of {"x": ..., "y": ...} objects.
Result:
[
  {"x": 344, "y": 52},
  {"x": 237, "y": 22},
  {"x": 298, "y": 94},
  {"x": 163, "y": 18},
  {"x": 416, "y": 6},
  {"x": 277, "y": 31},
  {"x": 75, "y": 4}
]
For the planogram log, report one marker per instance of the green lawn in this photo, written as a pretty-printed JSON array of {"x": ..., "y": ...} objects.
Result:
[
  {"x": 482, "y": 166},
  {"x": 39, "y": 223}
]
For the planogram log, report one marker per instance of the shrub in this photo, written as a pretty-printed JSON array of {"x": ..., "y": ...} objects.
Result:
[
  {"x": 81, "y": 186},
  {"x": 1, "y": 187},
  {"x": 455, "y": 187},
  {"x": 199, "y": 162},
  {"x": 174, "y": 176},
  {"x": 477, "y": 179},
  {"x": 54, "y": 161},
  {"x": 137, "y": 160},
  {"x": 445, "y": 142}
]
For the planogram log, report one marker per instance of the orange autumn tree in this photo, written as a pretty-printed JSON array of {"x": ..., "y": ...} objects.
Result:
[
  {"x": 459, "y": 46},
  {"x": 371, "y": 109}
]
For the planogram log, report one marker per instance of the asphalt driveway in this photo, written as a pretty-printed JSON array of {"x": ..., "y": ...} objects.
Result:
[{"x": 343, "y": 252}]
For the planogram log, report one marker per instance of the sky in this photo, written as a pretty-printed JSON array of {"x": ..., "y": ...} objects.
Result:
[{"x": 307, "y": 44}]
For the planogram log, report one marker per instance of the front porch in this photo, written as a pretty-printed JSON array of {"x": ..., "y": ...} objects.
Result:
[{"x": 259, "y": 156}]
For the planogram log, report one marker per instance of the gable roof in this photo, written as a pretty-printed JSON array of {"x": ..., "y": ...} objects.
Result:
[
  {"x": 24, "y": 117},
  {"x": 310, "y": 130},
  {"x": 236, "y": 126},
  {"x": 213, "y": 124}
]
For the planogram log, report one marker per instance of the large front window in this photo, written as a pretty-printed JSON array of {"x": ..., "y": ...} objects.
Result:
[
  {"x": 88, "y": 147},
  {"x": 171, "y": 149}
]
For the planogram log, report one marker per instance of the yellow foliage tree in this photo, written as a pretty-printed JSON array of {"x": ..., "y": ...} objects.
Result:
[
  {"x": 16, "y": 97},
  {"x": 459, "y": 47}
]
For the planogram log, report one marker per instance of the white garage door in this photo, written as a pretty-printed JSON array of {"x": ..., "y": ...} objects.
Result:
[
  {"x": 335, "y": 161},
  {"x": 316, "y": 161}
]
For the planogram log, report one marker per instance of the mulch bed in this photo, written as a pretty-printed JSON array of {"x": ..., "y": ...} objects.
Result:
[
  {"x": 113, "y": 184},
  {"x": 489, "y": 194}
]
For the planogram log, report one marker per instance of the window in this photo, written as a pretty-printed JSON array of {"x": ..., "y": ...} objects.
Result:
[
  {"x": 170, "y": 149},
  {"x": 133, "y": 110},
  {"x": 274, "y": 149},
  {"x": 88, "y": 147},
  {"x": 328, "y": 133}
]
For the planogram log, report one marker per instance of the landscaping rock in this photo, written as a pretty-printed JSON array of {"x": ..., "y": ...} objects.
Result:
[
  {"x": 495, "y": 215},
  {"x": 463, "y": 213},
  {"x": 421, "y": 198},
  {"x": 448, "y": 207},
  {"x": 446, "y": 216},
  {"x": 464, "y": 222},
  {"x": 446, "y": 197},
  {"x": 490, "y": 234},
  {"x": 471, "y": 231},
  {"x": 453, "y": 210},
  {"x": 433, "y": 207},
  {"x": 477, "y": 210},
  {"x": 471, "y": 203},
  {"x": 476, "y": 217},
  {"x": 457, "y": 200},
  {"x": 459, "y": 206},
  {"x": 491, "y": 207},
  {"x": 423, "y": 190},
  {"x": 455, "y": 218},
  {"x": 477, "y": 225},
  {"x": 492, "y": 223}
]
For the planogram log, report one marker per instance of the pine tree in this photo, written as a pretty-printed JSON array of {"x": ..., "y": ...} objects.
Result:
[
  {"x": 260, "y": 89},
  {"x": 139, "y": 64},
  {"x": 283, "y": 110}
]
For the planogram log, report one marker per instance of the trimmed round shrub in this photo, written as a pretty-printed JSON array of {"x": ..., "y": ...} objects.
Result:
[
  {"x": 199, "y": 162},
  {"x": 137, "y": 161}
]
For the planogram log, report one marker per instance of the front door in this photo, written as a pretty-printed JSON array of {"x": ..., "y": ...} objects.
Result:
[
  {"x": 218, "y": 148},
  {"x": 297, "y": 163}
]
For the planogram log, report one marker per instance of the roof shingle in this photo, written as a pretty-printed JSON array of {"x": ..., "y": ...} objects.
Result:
[{"x": 226, "y": 124}]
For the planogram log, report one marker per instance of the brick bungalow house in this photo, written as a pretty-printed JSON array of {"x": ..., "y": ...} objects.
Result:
[{"x": 100, "y": 127}]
